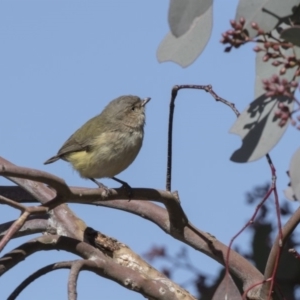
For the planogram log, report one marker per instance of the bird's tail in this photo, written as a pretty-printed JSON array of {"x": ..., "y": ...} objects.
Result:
[{"x": 51, "y": 160}]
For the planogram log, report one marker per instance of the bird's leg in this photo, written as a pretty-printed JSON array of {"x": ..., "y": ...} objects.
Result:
[
  {"x": 101, "y": 186},
  {"x": 125, "y": 185}
]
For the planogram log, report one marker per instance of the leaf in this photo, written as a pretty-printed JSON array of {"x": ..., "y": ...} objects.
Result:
[
  {"x": 227, "y": 289},
  {"x": 266, "y": 13},
  {"x": 183, "y": 13},
  {"x": 291, "y": 35},
  {"x": 289, "y": 194},
  {"x": 259, "y": 128},
  {"x": 257, "y": 125},
  {"x": 185, "y": 49},
  {"x": 295, "y": 173}
]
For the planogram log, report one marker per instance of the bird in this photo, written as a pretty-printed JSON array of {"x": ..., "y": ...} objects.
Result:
[{"x": 108, "y": 143}]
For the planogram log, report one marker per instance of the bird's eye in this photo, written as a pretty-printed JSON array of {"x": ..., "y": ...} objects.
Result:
[{"x": 133, "y": 108}]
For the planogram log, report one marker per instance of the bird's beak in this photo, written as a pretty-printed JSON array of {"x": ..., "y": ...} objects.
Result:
[{"x": 145, "y": 101}]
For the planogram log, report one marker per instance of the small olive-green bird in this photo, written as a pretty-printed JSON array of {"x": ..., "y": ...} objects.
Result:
[{"x": 108, "y": 143}]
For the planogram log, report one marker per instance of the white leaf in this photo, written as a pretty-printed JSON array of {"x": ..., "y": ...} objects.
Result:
[
  {"x": 185, "y": 49},
  {"x": 259, "y": 128},
  {"x": 183, "y": 13},
  {"x": 295, "y": 173}
]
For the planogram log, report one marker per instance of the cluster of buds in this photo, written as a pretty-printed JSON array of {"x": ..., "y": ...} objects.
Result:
[
  {"x": 272, "y": 51},
  {"x": 236, "y": 36},
  {"x": 283, "y": 113},
  {"x": 287, "y": 63},
  {"x": 279, "y": 87},
  {"x": 257, "y": 28}
]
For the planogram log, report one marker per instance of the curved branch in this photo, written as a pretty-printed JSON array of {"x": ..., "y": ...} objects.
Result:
[
  {"x": 17, "y": 224},
  {"x": 9, "y": 170},
  {"x": 207, "y": 88},
  {"x": 38, "y": 191},
  {"x": 171, "y": 201},
  {"x": 193, "y": 237},
  {"x": 287, "y": 230},
  {"x": 132, "y": 278},
  {"x": 34, "y": 224},
  {"x": 36, "y": 275},
  {"x": 77, "y": 266},
  {"x": 197, "y": 239}
]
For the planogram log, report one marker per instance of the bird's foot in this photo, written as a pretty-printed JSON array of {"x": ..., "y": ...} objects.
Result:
[
  {"x": 106, "y": 191},
  {"x": 125, "y": 186}
]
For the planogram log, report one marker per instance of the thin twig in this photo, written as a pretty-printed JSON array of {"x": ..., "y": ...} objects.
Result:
[
  {"x": 12, "y": 203},
  {"x": 34, "y": 224},
  {"x": 16, "y": 225},
  {"x": 13, "y": 229},
  {"x": 209, "y": 89},
  {"x": 176, "y": 88}
]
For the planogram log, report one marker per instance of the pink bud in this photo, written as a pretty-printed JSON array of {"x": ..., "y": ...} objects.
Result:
[
  {"x": 257, "y": 49},
  {"x": 276, "y": 63},
  {"x": 275, "y": 78},
  {"x": 280, "y": 89},
  {"x": 232, "y": 23},
  {"x": 254, "y": 26},
  {"x": 282, "y": 71}
]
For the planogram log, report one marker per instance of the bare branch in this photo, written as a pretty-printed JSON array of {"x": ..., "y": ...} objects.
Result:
[
  {"x": 77, "y": 266},
  {"x": 190, "y": 235},
  {"x": 13, "y": 229},
  {"x": 176, "y": 88},
  {"x": 197, "y": 239},
  {"x": 38, "y": 191},
  {"x": 35, "y": 175},
  {"x": 26, "y": 212},
  {"x": 34, "y": 224},
  {"x": 133, "y": 277},
  {"x": 11, "y": 203},
  {"x": 36, "y": 275},
  {"x": 287, "y": 230}
]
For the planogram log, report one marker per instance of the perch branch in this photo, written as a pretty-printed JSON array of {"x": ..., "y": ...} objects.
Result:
[{"x": 192, "y": 236}]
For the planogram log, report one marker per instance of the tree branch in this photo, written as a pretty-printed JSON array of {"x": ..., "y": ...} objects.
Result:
[
  {"x": 76, "y": 267},
  {"x": 34, "y": 224},
  {"x": 139, "y": 278},
  {"x": 192, "y": 236},
  {"x": 36, "y": 275}
]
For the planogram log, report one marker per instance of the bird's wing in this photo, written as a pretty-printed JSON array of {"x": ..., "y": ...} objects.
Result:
[
  {"x": 71, "y": 145},
  {"x": 74, "y": 145}
]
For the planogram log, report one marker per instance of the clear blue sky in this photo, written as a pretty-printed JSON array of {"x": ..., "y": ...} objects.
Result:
[{"x": 61, "y": 62}]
